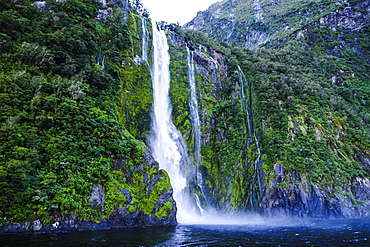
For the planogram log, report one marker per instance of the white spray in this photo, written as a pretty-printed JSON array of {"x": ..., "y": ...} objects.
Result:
[{"x": 165, "y": 141}]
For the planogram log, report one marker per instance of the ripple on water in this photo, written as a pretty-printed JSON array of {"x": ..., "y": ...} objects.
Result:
[{"x": 309, "y": 233}]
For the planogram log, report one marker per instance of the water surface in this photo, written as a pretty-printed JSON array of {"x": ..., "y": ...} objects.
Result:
[{"x": 278, "y": 232}]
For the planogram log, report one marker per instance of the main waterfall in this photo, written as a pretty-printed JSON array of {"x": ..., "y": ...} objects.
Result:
[
  {"x": 169, "y": 148},
  {"x": 165, "y": 141}
]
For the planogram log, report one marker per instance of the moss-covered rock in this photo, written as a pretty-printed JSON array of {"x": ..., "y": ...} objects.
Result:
[{"x": 74, "y": 107}]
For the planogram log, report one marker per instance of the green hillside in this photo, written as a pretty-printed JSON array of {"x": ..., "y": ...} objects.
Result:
[
  {"x": 310, "y": 87},
  {"x": 283, "y": 89},
  {"x": 62, "y": 135}
]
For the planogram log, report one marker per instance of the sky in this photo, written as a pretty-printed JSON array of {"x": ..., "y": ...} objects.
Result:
[{"x": 174, "y": 11}]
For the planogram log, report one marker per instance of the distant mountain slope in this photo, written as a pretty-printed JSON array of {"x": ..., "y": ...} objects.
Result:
[{"x": 252, "y": 23}]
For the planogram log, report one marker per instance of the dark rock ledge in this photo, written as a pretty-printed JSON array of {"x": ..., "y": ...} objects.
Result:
[{"x": 69, "y": 223}]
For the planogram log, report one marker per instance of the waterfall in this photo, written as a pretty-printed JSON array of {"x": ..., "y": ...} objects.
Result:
[
  {"x": 169, "y": 148},
  {"x": 101, "y": 57},
  {"x": 194, "y": 113},
  {"x": 255, "y": 185},
  {"x": 194, "y": 108},
  {"x": 165, "y": 141},
  {"x": 144, "y": 43}
]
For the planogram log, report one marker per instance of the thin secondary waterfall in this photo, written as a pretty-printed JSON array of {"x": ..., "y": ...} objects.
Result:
[
  {"x": 144, "y": 43},
  {"x": 194, "y": 113},
  {"x": 194, "y": 108},
  {"x": 165, "y": 141},
  {"x": 255, "y": 185}
]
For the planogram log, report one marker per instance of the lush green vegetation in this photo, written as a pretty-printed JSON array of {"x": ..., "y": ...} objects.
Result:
[
  {"x": 248, "y": 23},
  {"x": 310, "y": 103},
  {"x": 76, "y": 97},
  {"x": 61, "y": 79},
  {"x": 224, "y": 153}
]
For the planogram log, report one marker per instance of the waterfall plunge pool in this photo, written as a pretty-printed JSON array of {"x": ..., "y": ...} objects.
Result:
[{"x": 256, "y": 232}]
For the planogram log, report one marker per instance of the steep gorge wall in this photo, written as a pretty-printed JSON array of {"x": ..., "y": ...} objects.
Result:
[
  {"x": 310, "y": 163},
  {"x": 253, "y": 23},
  {"x": 314, "y": 164},
  {"x": 83, "y": 165},
  {"x": 223, "y": 127},
  {"x": 303, "y": 193},
  {"x": 326, "y": 181}
]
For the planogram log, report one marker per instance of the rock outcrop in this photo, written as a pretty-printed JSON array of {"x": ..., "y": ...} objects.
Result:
[
  {"x": 252, "y": 23},
  {"x": 127, "y": 215},
  {"x": 291, "y": 194}
]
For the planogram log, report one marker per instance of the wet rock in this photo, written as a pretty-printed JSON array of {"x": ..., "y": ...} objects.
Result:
[
  {"x": 127, "y": 195},
  {"x": 36, "y": 226},
  {"x": 294, "y": 195},
  {"x": 119, "y": 163},
  {"x": 98, "y": 197}
]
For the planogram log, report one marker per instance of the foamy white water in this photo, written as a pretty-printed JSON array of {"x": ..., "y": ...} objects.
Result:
[
  {"x": 168, "y": 146},
  {"x": 165, "y": 141}
]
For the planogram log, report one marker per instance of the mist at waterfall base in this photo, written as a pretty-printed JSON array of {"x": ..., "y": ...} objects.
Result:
[
  {"x": 165, "y": 141},
  {"x": 197, "y": 227},
  {"x": 254, "y": 232},
  {"x": 167, "y": 144}
]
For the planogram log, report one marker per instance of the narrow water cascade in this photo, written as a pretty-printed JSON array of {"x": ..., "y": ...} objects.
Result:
[
  {"x": 165, "y": 141},
  {"x": 195, "y": 120},
  {"x": 144, "y": 42},
  {"x": 100, "y": 57},
  {"x": 255, "y": 185},
  {"x": 194, "y": 108}
]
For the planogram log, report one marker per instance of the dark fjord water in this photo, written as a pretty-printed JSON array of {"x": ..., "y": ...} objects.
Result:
[{"x": 281, "y": 232}]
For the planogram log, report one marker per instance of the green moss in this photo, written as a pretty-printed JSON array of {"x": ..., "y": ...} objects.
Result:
[
  {"x": 131, "y": 209},
  {"x": 113, "y": 197},
  {"x": 164, "y": 210},
  {"x": 136, "y": 97}
]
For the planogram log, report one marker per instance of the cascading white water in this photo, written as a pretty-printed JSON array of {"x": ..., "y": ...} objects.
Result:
[
  {"x": 165, "y": 141},
  {"x": 144, "y": 43},
  {"x": 194, "y": 108},
  {"x": 194, "y": 112},
  {"x": 168, "y": 146},
  {"x": 256, "y": 192}
]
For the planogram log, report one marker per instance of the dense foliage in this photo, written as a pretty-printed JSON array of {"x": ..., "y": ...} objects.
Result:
[
  {"x": 76, "y": 96},
  {"x": 248, "y": 23},
  {"x": 309, "y": 99},
  {"x": 61, "y": 132}
]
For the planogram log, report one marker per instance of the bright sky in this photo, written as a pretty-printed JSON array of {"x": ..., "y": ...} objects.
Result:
[{"x": 174, "y": 11}]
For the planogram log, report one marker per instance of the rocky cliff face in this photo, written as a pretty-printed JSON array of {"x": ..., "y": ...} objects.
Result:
[
  {"x": 290, "y": 194},
  {"x": 353, "y": 15},
  {"x": 291, "y": 185},
  {"x": 295, "y": 194},
  {"x": 229, "y": 154},
  {"x": 253, "y": 23},
  {"x": 223, "y": 127},
  {"x": 160, "y": 207}
]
